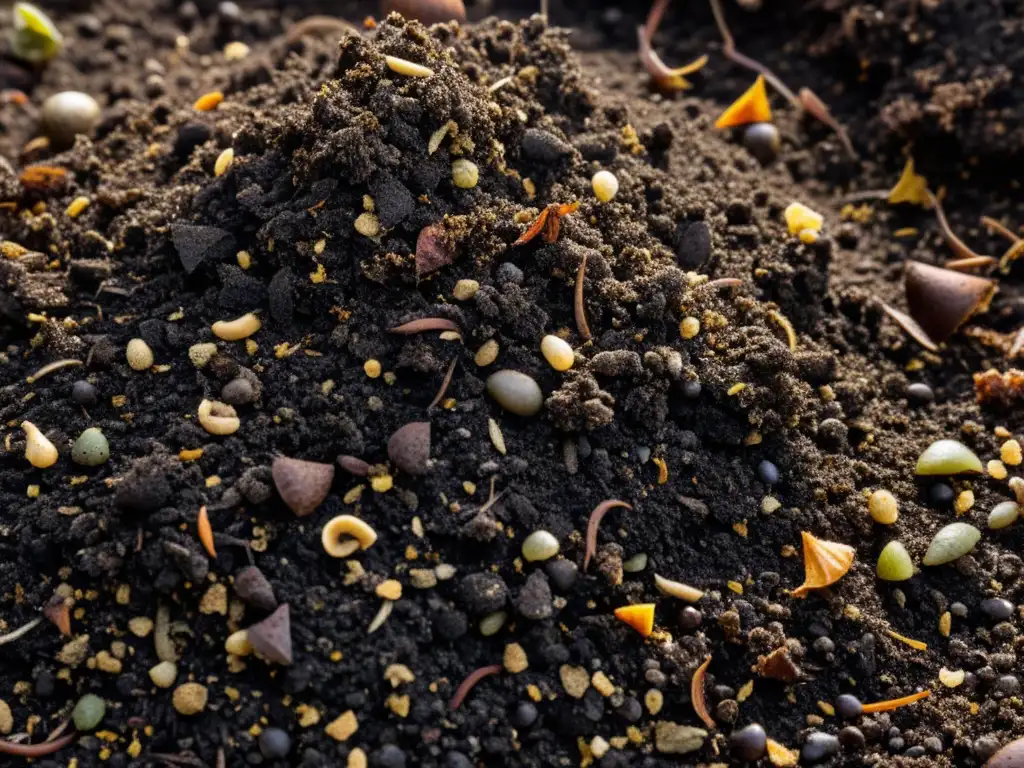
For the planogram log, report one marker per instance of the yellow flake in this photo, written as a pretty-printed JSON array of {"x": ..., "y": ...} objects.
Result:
[
  {"x": 319, "y": 275},
  {"x": 799, "y": 217},
  {"x": 911, "y": 188},
  {"x": 735, "y": 586},
  {"x": 343, "y": 726}
]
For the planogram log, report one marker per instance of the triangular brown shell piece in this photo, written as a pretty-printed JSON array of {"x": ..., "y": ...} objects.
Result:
[
  {"x": 941, "y": 300},
  {"x": 303, "y": 485},
  {"x": 253, "y": 588},
  {"x": 272, "y": 637}
]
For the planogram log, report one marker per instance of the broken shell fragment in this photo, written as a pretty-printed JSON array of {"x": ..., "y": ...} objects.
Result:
[
  {"x": 948, "y": 457},
  {"x": 272, "y": 637},
  {"x": 346, "y": 534},
  {"x": 302, "y": 485},
  {"x": 218, "y": 418},
  {"x": 952, "y": 542},
  {"x": 677, "y": 589},
  {"x": 639, "y": 617},
  {"x": 941, "y": 300},
  {"x": 409, "y": 447},
  {"x": 825, "y": 562}
]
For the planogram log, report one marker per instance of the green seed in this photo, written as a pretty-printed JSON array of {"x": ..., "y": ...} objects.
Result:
[
  {"x": 948, "y": 457},
  {"x": 492, "y": 623},
  {"x": 34, "y": 38},
  {"x": 636, "y": 563},
  {"x": 1003, "y": 515},
  {"x": 953, "y": 541},
  {"x": 540, "y": 545},
  {"x": 465, "y": 174},
  {"x": 894, "y": 563},
  {"x": 91, "y": 448},
  {"x": 515, "y": 392},
  {"x": 88, "y": 712}
]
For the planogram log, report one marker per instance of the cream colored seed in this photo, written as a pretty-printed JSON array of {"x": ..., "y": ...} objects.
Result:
[
  {"x": 996, "y": 469},
  {"x": 235, "y": 330},
  {"x": 244, "y": 259},
  {"x": 140, "y": 356},
  {"x": 372, "y": 368},
  {"x": 883, "y": 507},
  {"x": 76, "y": 206},
  {"x": 238, "y": 643},
  {"x": 557, "y": 352},
  {"x": 408, "y": 68},
  {"x": 465, "y": 173},
  {"x": 951, "y": 678},
  {"x": 224, "y": 162},
  {"x": 218, "y": 418},
  {"x": 964, "y": 501},
  {"x": 367, "y": 225},
  {"x": 345, "y": 534},
  {"x": 677, "y": 589},
  {"x": 164, "y": 674},
  {"x": 1010, "y": 453},
  {"x": 606, "y": 186},
  {"x": 465, "y": 289},
  {"x": 389, "y": 590},
  {"x": 201, "y": 354},
  {"x": 236, "y": 50},
  {"x": 39, "y": 451},
  {"x": 487, "y": 353},
  {"x": 689, "y": 328}
]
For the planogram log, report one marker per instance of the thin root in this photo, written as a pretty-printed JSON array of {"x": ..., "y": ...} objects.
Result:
[
  {"x": 471, "y": 680},
  {"x": 594, "y": 523}
]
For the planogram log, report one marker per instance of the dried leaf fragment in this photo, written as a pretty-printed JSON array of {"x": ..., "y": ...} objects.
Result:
[
  {"x": 751, "y": 107},
  {"x": 697, "y": 696},
  {"x": 548, "y": 222},
  {"x": 911, "y": 188},
  {"x": 825, "y": 562}
]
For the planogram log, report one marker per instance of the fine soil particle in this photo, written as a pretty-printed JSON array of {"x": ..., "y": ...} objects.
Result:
[{"x": 326, "y": 135}]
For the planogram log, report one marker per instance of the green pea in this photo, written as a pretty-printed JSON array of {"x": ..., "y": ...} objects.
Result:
[
  {"x": 88, "y": 712},
  {"x": 951, "y": 542},
  {"x": 91, "y": 448},
  {"x": 34, "y": 38},
  {"x": 948, "y": 457},
  {"x": 894, "y": 563}
]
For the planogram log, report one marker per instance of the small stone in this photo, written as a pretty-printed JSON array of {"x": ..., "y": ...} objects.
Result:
[
  {"x": 343, "y": 726},
  {"x": 818, "y": 747},
  {"x": 920, "y": 394},
  {"x": 848, "y": 706},
  {"x": 539, "y": 546},
  {"x": 768, "y": 473},
  {"x": 254, "y": 589},
  {"x": 515, "y": 392},
  {"x": 84, "y": 394},
  {"x": 88, "y": 712},
  {"x": 997, "y": 608},
  {"x": 575, "y": 680},
  {"x": 749, "y": 744},
  {"x": 514, "y": 659},
  {"x": 524, "y": 715},
  {"x": 465, "y": 289},
  {"x": 302, "y": 485},
  {"x": 762, "y": 141},
  {"x": 409, "y": 447},
  {"x": 852, "y": 738},
  {"x": 272, "y": 637},
  {"x": 190, "y": 698},
  {"x": 67, "y": 114},
  {"x": 274, "y": 743},
  {"x": 690, "y": 618},
  {"x": 483, "y": 593},
  {"x": 941, "y": 494},
  {"x": 238, "y": 391},
  {"x": 674, "y": 739},
  {"x": 164, "y": 674},
  {"x": 562, "y": 574},
  {"x": 534, "y": 599}
]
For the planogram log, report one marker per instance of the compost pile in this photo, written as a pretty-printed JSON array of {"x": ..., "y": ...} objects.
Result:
[{"x": 222, "y": 268}]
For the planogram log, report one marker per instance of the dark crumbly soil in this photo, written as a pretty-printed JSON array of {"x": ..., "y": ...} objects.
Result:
[{"x": 315, "y": 127}]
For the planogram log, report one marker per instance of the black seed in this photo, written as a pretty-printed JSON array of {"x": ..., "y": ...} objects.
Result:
[
  {"x": 940, "y": 495},
  {"x": 852, "y": 738},
  {"x": 274, "y": 743},
  {"x": 690, "y": 618},
  {"x": 919, "y": 393},
  {"x": 848, "y": 706},
  {"x": 562, "y": 574},
  {"x": 85, "y": 394},
  {"x": 524, "y": 715},
  {"x": 749, "y": 743},
  {"x": 997, "y": 608},
  {"x": 694, "y": 247},
  {"x": 768, "y": 473},
  {"x": 762, "y": 141}
]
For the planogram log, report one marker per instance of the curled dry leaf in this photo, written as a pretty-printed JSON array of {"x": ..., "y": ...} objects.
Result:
[
  {"x": 58, "y": 611},
  {"x": 434, "y": 249},
  {"x": 409, "y": 447},
  {"x": 825, "y": 562},
  {"x": 697, "y": 696},
  {"x": 302, "y": 485},
  {"x": 778, "y": 665},
  {"x": 941, "y": 300}
]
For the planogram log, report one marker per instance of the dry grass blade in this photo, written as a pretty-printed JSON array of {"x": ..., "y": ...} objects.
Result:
[
  {"x": 991, "y": 224},
  {"x": 579, "y": 309},
  {"x": 820, "y": 111},
  {"x": 21, "y": 631},
  {"x": 700, "y": 705},
  {"x": 595, "y": 522},
  {"x": 471, "y": 680},
  {"x": 425, "y": 324},
  {"x": 959, "y": 246},
  {"x": 50, "y": 368},
  {"x": 205, "y": 531},
  {"x": 885, "y": 706},
  {"x": 970, "y": 264}
]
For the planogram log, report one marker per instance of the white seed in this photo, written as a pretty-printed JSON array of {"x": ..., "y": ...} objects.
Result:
[
  {"x": 382, "y": 615},
  {"x": 140, "y": 356},
  {"x": 606, "y": 186},
  {"x": 951, "y": 678},
  {"x": 39, "y": 451},
  {"x": 201, "y": 354},
  {"x": 238, "y": 643},
  {"x": 1003, "y": 515},
  {"x": 557, "y": 352},
  {"x": 345, "y": 534},
  {"x": 409, "y": 68},
  {"x": 636, "y": 563},
  {"x": 540, "y": 545},
  {"x": 677, "y": 589},
  {"x": 497, "y": 438},
  {"x": 218, "y": 418},
  {"x": 883, "y": 507},
  {"x": 240, "y": 328},
  {"x": 164, "y": 674},
  {"x": 465, "y": 173},
  {"x": 367, "y": 225},
  {"x": 224, "y": 162}
]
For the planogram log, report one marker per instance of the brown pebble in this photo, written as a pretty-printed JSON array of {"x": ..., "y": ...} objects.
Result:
[
  {"x": 409, "y": 447},
  {"x": 272, "y": 637},
  {"x": 190, "y": 698},
  {"x": 254, "y": 589},
  {"x": 303, "y": 485}
]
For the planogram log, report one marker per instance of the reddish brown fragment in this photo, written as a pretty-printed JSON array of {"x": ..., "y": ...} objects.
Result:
[
  {"x": 425, "y": 324},
  {"x": 697, "y": 697},
  {"x": 548, "y": 222},
  {"x": 471, "y": 680},
  {"x": 354, "y": 466},
  {"x": 999, "y": 389},
  {"x": 36, "y": 750},
  {"x": 778, "y": 665},
  {"x": 534, "y": 229},
  {"x": 434, "y": 249},
  {"x": 444, "y": 384},
  {"x": 595, "y": 521},
  {"x": 39, "y": 178},
  {"x": 579, "y": 309},
  {"x": 959, "y": 247},
  {"x": 58, "y": 611}
]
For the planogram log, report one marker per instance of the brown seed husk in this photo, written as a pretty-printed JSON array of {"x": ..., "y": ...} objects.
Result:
[
  {"x": 409, "y": 447},
  {"x": 941, "y": 300},
  {"x": 354, "y": 465},
  {"x": 58, "y": 611},
  {"x": 272, "y": 637},
  {"x": 434, "y": 249},
  {"x": 778, "y": 665},
  {"x": 426, "y": 11},
  {"x": 254, "y": 589},
  {"x": 303, "y": 485}
]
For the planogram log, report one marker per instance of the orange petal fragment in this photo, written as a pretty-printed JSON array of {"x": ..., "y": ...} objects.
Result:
[
  {"x": 208, "y": 101},
  {"x": 751, "y": 107},
  {"x": 534, "y": 230},
  {"x": 697, "y": 697},
  {"x": 911, "y": 188},
  {"x": 639, "y": 617},
  {"x": 917, "y": 645},
  {"x": 825, "y": 562},
  {"x": 206, "y": 532},
  {"x": 885, "y": 706},
  {"x": 780, "y": 756}
]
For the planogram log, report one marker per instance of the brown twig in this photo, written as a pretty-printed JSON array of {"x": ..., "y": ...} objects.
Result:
[
  {"x": 444, "y": 384},
  {"x": 989, "y": 223},
  {"x": 819, "y": 110},
  {"x": 969, "y": 264},
  {"x": 56, "y": 732},
  {"x": 471, "y": 680},
  {"x": 697, "y": 696},
  {"x": 663, "y": 75},
  {"x": 594, "y": 523},
  {"x": 959, "y": 246},
  {"x": 580, "y": 310},
  {"x": 425, "y": 324},
  {"x": 36, "y": 750}
]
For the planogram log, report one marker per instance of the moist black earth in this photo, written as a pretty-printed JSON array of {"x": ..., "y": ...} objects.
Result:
[{"x": 339, "y": 165}]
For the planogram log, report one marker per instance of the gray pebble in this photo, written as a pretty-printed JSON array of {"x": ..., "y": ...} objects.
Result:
[
  {"x": 274, "y": 743},
  {"x": 819, "y": 746},
  {"x": 483, "y": 593},
  {"x": 997, "y": 608},
  {"x": 238, "y": 392},
  {"x": 920, "y": 394},
  {"x": 534, "y": 599},
  {"x": 562, "y": 574},
  {"x": 543, "y": 146},
  {"x": 509, "y": 273},
  {"x": 68, "y": 113}
]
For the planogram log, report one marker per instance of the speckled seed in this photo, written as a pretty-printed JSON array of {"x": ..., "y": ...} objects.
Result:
[
  {"x": 540, "y": 545},
  {"x": 883, "y": 507},
  {"x": 465, "y": 174},
  {"x": 367, "y": 225},
  {"x": 606, "y": 186},
  {"x": 1003, "y": 515},
  {"x": 492, "y": 623},
  {"x": 948, "y": 457},
  {"x": 465, "y": 290},
  {"x": 67, "y": 114},
  {"x": 951, "y": 542},
  {"x": 894, "y": 564},
  {"x": 557, "y": 352},
  {"x": 91, "y": 448},
  {"x": 164, "y": 674},
  {"x": 140, "y": 356},
  {"x": 201, "y": 354},
  {"x": 190, "y": 698},
  {"x": 88, "y": 712},
  {"x": 515, "y": 392},
  {"x": 848, "y": 706}
]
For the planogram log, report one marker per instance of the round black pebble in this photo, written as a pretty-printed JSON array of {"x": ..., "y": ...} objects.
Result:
[
  {"x": 562, "y": 574},
  {"x": 819, "y": 746},
  {"x": 852, "y": 738},
  {"x": 83, "y": 393},
  {"x": 763, "y": 142},
  {"x": 920, "y": 394},
  {"x": 389, "y": 756},
  {"x": 275, "y": 743},
  {"x": 768, "y": 473},
  {"x": 692, "y": 389},
  {"x": 997, "y": 608},
  {"x": 848, "y": 706},
  {"x": 457, "y": 760},
  {"x": 940, "y": 495},
  {"x": 690, "y": 618},
  {"x": 524, "y": 715},
  {"x": 749, "y": 743}
]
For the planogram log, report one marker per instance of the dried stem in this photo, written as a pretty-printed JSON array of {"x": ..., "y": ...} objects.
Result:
[
  {"x": 36, "y": 750},
  {"x": 444, "y": 384},
  {"x": 697, "y": 693},
  {"x": 959, "y": 246},
  {"x": 989, "y": 223},
  {"x": 471, "y": 680},
  {"x": 21, "y": 631},
  {"x": 50, "y": 368},
  {"x": 885, "y": 706},
  {"x": 580, "y": 310},
  {"x": 594, "y": 523}
]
